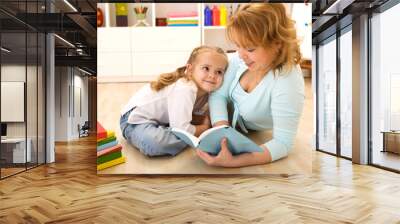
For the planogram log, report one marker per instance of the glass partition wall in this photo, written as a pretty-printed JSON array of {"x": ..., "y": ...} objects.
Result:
[
  {"x": 334, "y": 94},
  {"x": 385, "y": 90},
  {"x": 345, "y": 61},
  {"x": 334, "y": 88},
  {"x": 22, "y": 77}
]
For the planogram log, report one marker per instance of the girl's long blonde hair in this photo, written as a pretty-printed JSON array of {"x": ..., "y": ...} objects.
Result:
[
  {"x": 265, "y": 24},
  {"x": 167, "y": 79}
]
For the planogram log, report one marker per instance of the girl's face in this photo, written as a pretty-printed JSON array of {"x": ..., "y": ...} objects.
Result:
[
  {"x": 208, "y": 70},
  {"x": 258, "y": 58}
]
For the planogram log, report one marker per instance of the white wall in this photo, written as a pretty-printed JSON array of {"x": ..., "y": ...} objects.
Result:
[
  {"x": 13, "y": 73},
  {"x": 80, "y": 83},
  {"x": 33, "y": 126},
  {"x": 61, "y": 103},
  {"x": 68, "y": 81}
]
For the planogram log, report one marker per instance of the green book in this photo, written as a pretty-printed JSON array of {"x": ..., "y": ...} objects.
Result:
[
  {"x": 107, "y": 140},
  {"x": 108, "y": 157}
]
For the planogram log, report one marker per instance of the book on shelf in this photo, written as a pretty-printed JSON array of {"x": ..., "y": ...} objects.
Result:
[{"x": 210, "y": 140}]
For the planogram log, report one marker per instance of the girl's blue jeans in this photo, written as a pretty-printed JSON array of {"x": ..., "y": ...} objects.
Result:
[{"x": 151, "y": 139}]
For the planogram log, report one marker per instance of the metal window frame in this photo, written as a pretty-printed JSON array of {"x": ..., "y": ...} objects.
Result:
[
  {"x": 44, "y": 73},
  {"x": 387, "y": 5},
  {"x": 379, "y": 10},
  {"x": 334, "y": 37}
]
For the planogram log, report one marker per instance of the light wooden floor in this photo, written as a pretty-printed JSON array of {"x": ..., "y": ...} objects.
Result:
[
  {"x": 388, "y": 159},
  {"x": 10, "y": 171},
  {"x": 113, "y": 96},
  {"x": 69, "y": 191}
]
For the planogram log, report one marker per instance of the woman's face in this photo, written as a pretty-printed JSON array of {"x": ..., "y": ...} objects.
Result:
[
  {"x": 258, "y": 58},
  {"x": 208, "y": 70}
]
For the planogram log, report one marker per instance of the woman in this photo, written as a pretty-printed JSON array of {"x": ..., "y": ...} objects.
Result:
[{"x": 263, "y": 82}]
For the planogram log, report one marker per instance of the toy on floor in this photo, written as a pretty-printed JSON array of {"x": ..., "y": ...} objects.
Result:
[{"x": 108, "y": 150}]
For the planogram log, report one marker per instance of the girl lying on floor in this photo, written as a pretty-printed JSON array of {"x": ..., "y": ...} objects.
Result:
[{"x": 170, "y": 102}]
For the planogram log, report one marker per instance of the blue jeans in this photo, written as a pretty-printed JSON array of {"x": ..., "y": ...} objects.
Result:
[{"x": 151, "y": 139}]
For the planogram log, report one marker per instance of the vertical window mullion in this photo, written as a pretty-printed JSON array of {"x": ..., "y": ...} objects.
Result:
[
  {"x": 338, "y": 73},
  {"x": 317, "y": 97}
]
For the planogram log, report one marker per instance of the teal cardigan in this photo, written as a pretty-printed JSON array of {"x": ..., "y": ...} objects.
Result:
[{"x": 276, "y": 103}]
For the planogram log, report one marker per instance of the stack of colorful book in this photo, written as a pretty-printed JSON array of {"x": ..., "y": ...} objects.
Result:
[
  {"x": 183, "y": 19},
  {"x": 108, "y": 150}
]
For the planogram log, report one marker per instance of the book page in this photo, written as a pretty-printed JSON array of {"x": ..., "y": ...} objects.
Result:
[
  {"x": 237, "y": 142},
  {"x": 186, "y": 137},
  {"x": 208, "y": 131}
]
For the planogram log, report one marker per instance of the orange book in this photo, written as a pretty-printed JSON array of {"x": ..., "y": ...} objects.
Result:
[
  {"x": 101, "y": 132},
  {"x": 109, "y": 150}
]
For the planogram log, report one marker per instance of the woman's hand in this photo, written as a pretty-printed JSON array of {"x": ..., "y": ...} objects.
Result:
[{"x": 224, "y": 157}]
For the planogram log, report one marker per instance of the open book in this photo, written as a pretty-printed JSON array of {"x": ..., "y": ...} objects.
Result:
[{"x": 210, "y": 140}]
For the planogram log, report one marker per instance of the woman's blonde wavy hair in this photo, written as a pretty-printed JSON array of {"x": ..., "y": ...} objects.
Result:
[
  {"x": 167, "y": 79},
  {"x": 265, "y": 24}
]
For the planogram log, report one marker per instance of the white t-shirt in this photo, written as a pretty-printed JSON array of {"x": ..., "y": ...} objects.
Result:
[{"x": 172, "y": 105}]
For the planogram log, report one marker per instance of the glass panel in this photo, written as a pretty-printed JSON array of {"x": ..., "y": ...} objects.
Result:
[
  {"x": 31, "y": 87},
  {"x": 31, "y": 98},
  {"x": 41, "y": 99},
  {"x": 327, "y": 97},
  {"x": 346, "y": 94},
  {"x": 13, "y": 86},
  {"x": 385, "y": 89}
]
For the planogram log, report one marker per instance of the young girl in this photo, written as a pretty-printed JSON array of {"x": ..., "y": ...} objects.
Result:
[{"x": 171, "y": 101}]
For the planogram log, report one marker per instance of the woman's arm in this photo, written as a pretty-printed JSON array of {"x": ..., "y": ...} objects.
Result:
[
  {"x": 287, "y": 100},
  {"x": 226, "y": 159}
]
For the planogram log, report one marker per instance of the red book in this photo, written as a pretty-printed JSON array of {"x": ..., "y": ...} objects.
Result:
[
  {"x": 109, "y": 150},
  {"x": 215, "y": 16},
  {"x": 101, "y": 132}
]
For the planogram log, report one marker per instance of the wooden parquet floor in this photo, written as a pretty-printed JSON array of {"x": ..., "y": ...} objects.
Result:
[{"x": 69, "y": 191}]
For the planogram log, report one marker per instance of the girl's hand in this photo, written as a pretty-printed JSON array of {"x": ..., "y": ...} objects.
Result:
[{"x": 224, "y": 157}]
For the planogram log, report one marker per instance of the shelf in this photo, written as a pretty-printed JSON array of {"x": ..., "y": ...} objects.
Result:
[
  {"x": 109, "y": 12},
  {"x": 214, "y": 27}
]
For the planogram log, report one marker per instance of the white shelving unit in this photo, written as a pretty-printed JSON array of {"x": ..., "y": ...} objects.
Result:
[
  {"x": 142, "y": 53},
  {"x": 137, "y": 54}
]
